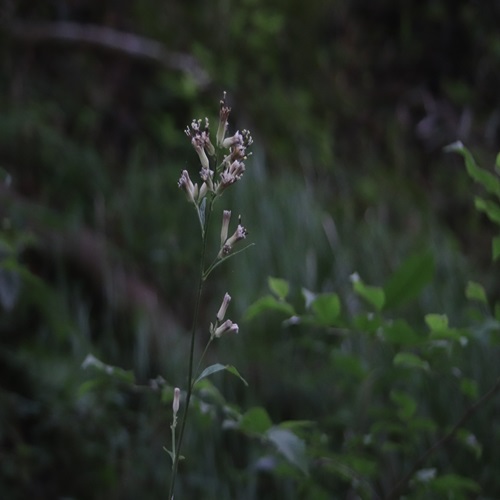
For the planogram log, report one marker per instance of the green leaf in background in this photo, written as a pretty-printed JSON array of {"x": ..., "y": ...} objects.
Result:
[
  {"x": 449, "y": 485},
  {"x": 326, "y": 308},
  {"x": 468, "y": 387},
  {"x": 475, "y": 291},
  {"x": 126, "y": 376},
  {"x": 409, "y": 279},
  {"x": 279, "y": 287},
  {"x": 400, "y": 332},
  {"x": 407, "y": 405},
  {"x": 470, "y": 442},
  {"x": 437, "y": 322},
  {"x": 372, "y": 294},
  {"x": 496, "y": 248},
  {"x": 268, "y": 303},
  {"x": 217, "y": 367},
  {"x": 290, "y": 446},
  {"x": 489, "y": 181},
  {"x": 488, "y": 207},
  {"x": 410, "y": 360},
  {"x": 255, "y": 421}
]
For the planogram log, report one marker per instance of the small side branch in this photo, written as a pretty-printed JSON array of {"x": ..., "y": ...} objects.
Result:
[
  {"x": 101, "y": 37},
  {"x": 400, "y": 486}
]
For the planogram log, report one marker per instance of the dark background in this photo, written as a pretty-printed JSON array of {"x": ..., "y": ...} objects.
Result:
[{"x": 350, "y": 105}]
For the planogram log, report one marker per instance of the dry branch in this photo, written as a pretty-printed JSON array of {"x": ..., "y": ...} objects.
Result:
[{"x": 101, "y": 37}]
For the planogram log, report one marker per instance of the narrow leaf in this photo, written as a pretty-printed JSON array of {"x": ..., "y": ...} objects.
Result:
[
  {"x": 217, "y": 367},
  {"x": 490, "y": 208},
  {"x": 489, "y": 181}
]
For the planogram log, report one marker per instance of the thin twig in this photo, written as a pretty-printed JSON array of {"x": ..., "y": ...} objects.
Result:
[
  {"x": 102, "y": 37},
  {"x": 402, "y": 483}
]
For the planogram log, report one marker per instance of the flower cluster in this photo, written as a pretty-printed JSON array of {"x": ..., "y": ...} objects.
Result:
[{"x": 231, "y": 168}]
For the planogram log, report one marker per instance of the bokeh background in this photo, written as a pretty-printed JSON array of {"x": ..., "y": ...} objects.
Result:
[{"x": 350, "y": 105}]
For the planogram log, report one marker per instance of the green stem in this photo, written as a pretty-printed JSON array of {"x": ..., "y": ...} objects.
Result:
[{"x": 191, "y": 351}]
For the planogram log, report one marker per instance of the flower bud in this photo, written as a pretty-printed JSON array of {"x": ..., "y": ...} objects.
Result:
[
  {"x": 226, "y": 217},
  {"x": 223, "y": 307},
  {"x": 176, "y": 402}
]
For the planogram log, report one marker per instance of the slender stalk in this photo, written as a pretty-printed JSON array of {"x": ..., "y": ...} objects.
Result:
[{"x": 191, "y": 351}]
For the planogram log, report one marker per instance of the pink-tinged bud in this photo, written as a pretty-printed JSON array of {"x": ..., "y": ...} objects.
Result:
[
  {"x": 203, "y": 191},
  {"x": 226, "y": 217},
  {"x": 198, "y": 145},
  {"x": 223, "y": 307},
  {"x": 223, "y": 117},
  {"x": 231, "y": 141},
  {"x": 188, "y": 186},
  {"x": 240, "y": 234},
  {"x": 227, "y": 327},
  {"x": 176, "y": 402}
]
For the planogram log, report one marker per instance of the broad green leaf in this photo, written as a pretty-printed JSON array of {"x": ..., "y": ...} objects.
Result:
[
  {"x": 126, "y": 376},
  {"x": 372, "y": 294},
  {"x": 498, "y": 161},
  {"x": 400, "y": 332},
  {"x": 255, "y": 421},
  {"x": 407, "y": 405},
  {"x": 326, "y": 308},
  {"x": 475, "y": 291},
  {"x": 269, "y": 303},
  {"x": 488, "y": 207},
  {"x": 496, "y": 248},
  {"x": 409, "y": 279},
  {"x": 410, "y": 360},
  {"x": 217, "y": 367},
  {"x": 279, "y": 287},
  {"x": 489, "y": 181},
  {"x": 437, "y": 322},
  {"x": 449, "y": 483},
  {"x": 290, "y": 446}
]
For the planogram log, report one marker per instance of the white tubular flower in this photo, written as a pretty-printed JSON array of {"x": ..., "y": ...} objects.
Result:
[
  {"x": 198, "y": 145},
  {"x": 227, "y": 327},
  {"x": 207, "y": 175},
  {"x": 231, "y": 141},
  {"x": 226, "y": 217},
  {"x": 223, "y": 117},
  {"x": 176, "y": 402},
  {"x": 188, "y": 186},
  {"x": 240, "y": 234},
  {"x": 223, "y": 307},
  {"x": 203, "y": 191}
]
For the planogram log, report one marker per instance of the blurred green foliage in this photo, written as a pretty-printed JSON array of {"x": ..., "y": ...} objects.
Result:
[{"x": 350, "y": 105}]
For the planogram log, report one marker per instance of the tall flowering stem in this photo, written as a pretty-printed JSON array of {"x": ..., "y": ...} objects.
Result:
[{"x": 221, "y": 166}]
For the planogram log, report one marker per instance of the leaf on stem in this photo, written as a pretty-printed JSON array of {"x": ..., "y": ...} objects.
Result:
[{"x": 217, "y": 367}]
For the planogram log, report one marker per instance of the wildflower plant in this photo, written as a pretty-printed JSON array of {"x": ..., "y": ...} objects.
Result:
[{"x": 222, "y": 165}]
